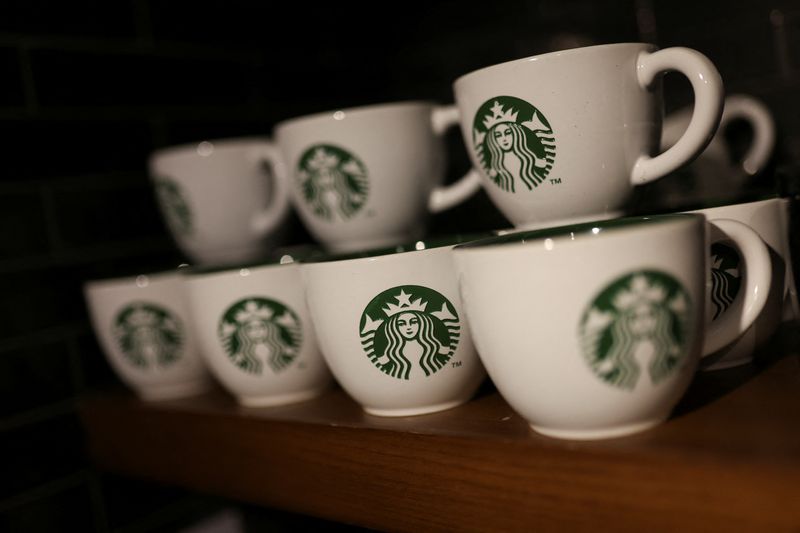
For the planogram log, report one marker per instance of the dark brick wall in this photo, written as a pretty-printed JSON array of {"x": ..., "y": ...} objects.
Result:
[{"x": 90, "y": 87}]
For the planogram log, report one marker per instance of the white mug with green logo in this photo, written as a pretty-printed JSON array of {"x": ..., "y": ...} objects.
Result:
[
  {"x": 369, "y": 176},
  {"x": 142, "y": 324},
  {"x": 255, "y": 333},
  {"x": 224, "y": 201},
  {"x": 766, "y": 218},
  {"x": 595, "y": 330},
  {"x": 565, "y": 136},
  {"x": 716, "y": 157},
  {"x": 392, "y": 329}
]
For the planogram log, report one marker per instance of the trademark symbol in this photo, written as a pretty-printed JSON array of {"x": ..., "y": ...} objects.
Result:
[
  {"x": 555, "y": 181},
  {"x": 456, "y": 364}
]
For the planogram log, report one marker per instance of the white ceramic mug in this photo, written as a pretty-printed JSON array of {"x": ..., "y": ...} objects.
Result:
[
  {"x": 224, "y": 201},
  {"x": 595, "y": 330},
  {"x": 565, "y": 136},
  {"x": 766, "y": 218},
  {"x": 255, "y": 333},
  {"x": 714, "y": 176},
  {"x": 736, "y": 107},
  {"x": 392, "y": 329},
  {"x": 142, "y": 324},
  {"x": 368, "y": 177}
]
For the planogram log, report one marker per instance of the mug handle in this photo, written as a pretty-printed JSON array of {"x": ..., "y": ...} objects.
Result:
[
  {"x": 749, "y": 303},
  {"x": 265, "y": 221},
  {"x": 708, "y": 97},
  {"x": 445, "y": 197},
  {"x": 740, "y": 106}
]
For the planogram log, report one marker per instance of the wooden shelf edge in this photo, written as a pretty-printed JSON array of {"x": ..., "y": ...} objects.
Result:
[{"x": 728, "y": 460}]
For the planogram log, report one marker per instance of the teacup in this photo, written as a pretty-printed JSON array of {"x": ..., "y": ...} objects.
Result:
[
  {"x": 713, "y": 175},
  {"x": 368, "y": 177},
  {"x": 736, "y": 107},
  {"x": 766, "y": 218},
  {"x": 255, "y": 333},
  {"x": 565, "y": 136},
  {"x": 392, "y": 329},
  {"x": 142, "y": 324},
  {"x": 224, "y": 201},
  {"x": 594, "y": 331}
]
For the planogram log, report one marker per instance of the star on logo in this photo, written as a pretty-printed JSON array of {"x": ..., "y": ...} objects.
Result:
[
  {"x": 370, "y": 325},
  {"x": 444, "y": 314},
  {"x": 403, "y": 298}
]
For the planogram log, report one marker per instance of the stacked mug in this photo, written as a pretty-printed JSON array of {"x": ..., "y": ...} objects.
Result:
[{"x": 590, "y": 325}]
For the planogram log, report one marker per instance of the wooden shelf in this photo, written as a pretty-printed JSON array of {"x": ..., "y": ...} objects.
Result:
[{"x": 728, "y": 459}]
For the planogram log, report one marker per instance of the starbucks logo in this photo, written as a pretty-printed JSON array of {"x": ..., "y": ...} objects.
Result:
[
  {"x": 259, "y": 332},
  {"x": 333, "y": 181},
  {"x": 174, "y": 206},
  {"x": 638, "y": 321},
  {"x": 726, "y": 278},
  {"x": 514, "y": 143},
  {"x": 148, "y": 335},
  {"x": 407, "y": 327}
]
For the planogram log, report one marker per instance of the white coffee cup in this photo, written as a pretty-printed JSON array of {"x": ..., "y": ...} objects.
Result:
[
  {"x": 717, "y": 154},
  {"x": 224, "y": 201},
  {"x": 142, "y": 324},
  {"x": 392, "y": 329},
  {"x": 766, "y": 218},
  {"x": 594, "y": 331},
  {"x": 565, "y": 136},
  {"x": 714, "y": 176},
  {"x": 255, "y": 333},
  {"x": 369, "y": 176}
]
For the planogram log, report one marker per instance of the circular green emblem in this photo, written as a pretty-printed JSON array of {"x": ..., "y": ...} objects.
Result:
[
  {"x": 639, "y": 320},
  {"x": 333, "y": 181},
  {"x": 726, "y": 277},
  {"x": 174, "y": 206},
  {"x": 514, "y": 143},
  {"x": 407, "y": 327},
  {"x": 148, "y": 335},
  {"x": 258, "y": 332}
]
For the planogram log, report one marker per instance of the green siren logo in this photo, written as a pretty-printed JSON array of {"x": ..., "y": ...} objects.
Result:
[
  {"x": 258, "y": 332},
  {"x": 148, "y": 335},
  {"x": 514, "y": 143},
  {"x": 333, "y": 181},
  {"x": 407, "y": 326},
  {"x": 726, "y": 278},
  {"x": 174, "y": 206},
  {"x": 639, "y": 320}
]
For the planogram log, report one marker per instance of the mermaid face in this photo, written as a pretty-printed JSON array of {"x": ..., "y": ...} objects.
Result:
[
  {"x": 255, "y": 330},
  {"x": 503, "y": 137},
  {"x": 408, "y": 324},
  {"x": 143, "y": 336},
  {"x": 325, "y": 179},
  {"x": 643, "y": 321}
]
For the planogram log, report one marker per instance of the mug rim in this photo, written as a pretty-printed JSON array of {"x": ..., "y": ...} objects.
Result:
[
  {"x": 190, "y": 149},
  {"x": 121, "y": 282},
  {"x": 722, "y": 204},
  {"x": 577, "y": 232},
  {"x": 368, "y": 108},
  {"x": 549, "y": 55},
  {"x": 409, "y": 247},
  {"x": 214, "y": 270}
]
